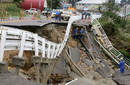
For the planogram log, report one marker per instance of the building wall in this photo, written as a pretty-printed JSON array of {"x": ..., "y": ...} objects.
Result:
[
  {"x": 27, "y": 4},
  {"x": 122, "y": 1},
  {"x": 90, "y": 7},
  {"x": 126, "y": 9},
  {"x": 128, "y": 1}
]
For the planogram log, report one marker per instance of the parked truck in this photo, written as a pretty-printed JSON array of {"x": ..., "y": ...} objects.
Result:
[{"x": 65, "y": 14}]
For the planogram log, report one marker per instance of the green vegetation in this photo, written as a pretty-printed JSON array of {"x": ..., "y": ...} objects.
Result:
[
  {"x": 116, "y": 27},
  {"x": 110, "y": 17},
  {"x": 53, "y": 3},
  {"x": 13, "y": 10},
  {"x": 56, "y": 3},
  {"x": 18, "y": 2},
  {"x": 125, "y": 53},
  {"x": 9, "y": 9}
]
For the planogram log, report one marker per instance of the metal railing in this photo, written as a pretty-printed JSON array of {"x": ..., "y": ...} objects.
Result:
[{"x": 107, "y": 43}]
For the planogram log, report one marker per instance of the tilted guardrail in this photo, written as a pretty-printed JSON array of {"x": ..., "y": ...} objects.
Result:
[
  {"x": 98, "y": 28},
  {"x": 104, "y": 40},
  {"x": 16, "y": 39}
]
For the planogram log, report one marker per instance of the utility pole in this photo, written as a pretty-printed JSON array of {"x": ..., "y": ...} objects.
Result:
[
  {"x": 39, "y": 4},
  {"x": 31, "y": 3},
  {"x": 125, "y": 9},
  {"x": 51, "y": 4}
]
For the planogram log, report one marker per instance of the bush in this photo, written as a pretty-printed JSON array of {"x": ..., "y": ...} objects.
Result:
[
  {"x": 125, "y": 53},
  {"x": 13, "y": 10},
  {"x": 110, "y": 28}
]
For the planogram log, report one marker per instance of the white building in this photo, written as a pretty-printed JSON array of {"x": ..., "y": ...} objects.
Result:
[
  {"x": 89, "y": 5},
  {"x": 125, "y": 10}
]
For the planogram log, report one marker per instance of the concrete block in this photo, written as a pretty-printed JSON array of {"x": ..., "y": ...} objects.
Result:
[
  {"x": 3, "y": 67},
  {"x": 60, "y": 66},
  {"x": 122, "y": 79},
  {"x": 36, "y": 59},
  {"x": 75, "y": 54},
  {"x": 17, "y": 61}
]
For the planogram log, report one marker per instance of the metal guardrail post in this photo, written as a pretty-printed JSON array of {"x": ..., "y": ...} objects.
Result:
[{"x": 2, "y": 43}]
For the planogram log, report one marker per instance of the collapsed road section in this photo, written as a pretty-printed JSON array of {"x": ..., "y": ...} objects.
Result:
[{"x": 80, "y": 58}]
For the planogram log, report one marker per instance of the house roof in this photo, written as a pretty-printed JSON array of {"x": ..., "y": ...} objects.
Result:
[{"x": 92, "y": 1}]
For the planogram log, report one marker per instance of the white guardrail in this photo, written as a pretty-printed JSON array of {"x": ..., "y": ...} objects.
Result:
[{"x": 16, "y": 39}]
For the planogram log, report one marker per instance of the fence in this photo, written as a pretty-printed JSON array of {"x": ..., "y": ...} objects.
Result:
[{"x": 16, "y": 39}]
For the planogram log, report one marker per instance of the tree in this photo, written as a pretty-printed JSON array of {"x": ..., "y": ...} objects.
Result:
[
  {"x": 53, "y": 3},
  {"x": 110, "y": 18},
  {"x": 56, "y": 3},
  {"x": 18, "y": 2},
  {"x": 110, "y": 13}
]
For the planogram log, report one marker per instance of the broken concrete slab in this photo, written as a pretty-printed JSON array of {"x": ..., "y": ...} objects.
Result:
[
  {"x": 88, "y": 62},
  {"x": 86, "y": 81},
  {"x": 75, "y": 54},
  {"x": 3, "y": 67},
  {"x": 101, "y": 72},
  {"x": 12, "y": 79},
  {"x": 74, "y": 67},
  {"x": 18, "y": 61},
  {"x": 60, "y": 67},
  {"x": 107, "y": 81},
  {"x": 103, "y": 68},
  {"x": 83, "y": 81},
  {"x": 105, "y": 65},
  {"x": 122, "y": 79}
]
